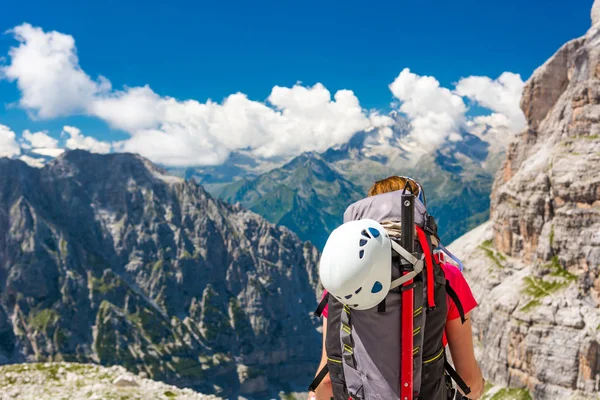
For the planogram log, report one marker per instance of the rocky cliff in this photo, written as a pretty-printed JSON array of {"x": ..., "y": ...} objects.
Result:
[
  {"x": 535, "y": 267},
  {"x": 104, "y": 258}
]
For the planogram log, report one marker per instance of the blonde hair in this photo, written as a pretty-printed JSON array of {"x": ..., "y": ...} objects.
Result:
[{"x": 393, "y": 183}]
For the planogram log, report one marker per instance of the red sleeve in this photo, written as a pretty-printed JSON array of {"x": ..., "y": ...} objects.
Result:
[
  {"x": 462, "y": 289},
  {"x": 326, "y": 309}
]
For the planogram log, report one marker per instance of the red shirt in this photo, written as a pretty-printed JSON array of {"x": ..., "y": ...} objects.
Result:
[{"x": 462, "y": 289}]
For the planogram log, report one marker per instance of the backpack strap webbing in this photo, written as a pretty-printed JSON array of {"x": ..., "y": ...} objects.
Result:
[
  {"x": 428, "y": 266},
  {"x": 319, "y": 378},
  {"x": 322, "y": 305},
  {"x": 452, "y": 294},
  {"x": 456, "y": 378},
  {"x": 346, "y": 338}
]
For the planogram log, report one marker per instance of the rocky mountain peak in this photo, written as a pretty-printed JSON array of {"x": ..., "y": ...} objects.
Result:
[
  {"x": 115, "y": 167},
  {"x": 535, "y": 267},
  {"x": 546, "y": 167},
  {"x": 106, "y": 259},
  {"x": 596, "y": 12}
]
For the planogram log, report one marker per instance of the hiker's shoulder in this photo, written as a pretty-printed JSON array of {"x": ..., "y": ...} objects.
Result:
[{"x": 453, "y": 273}]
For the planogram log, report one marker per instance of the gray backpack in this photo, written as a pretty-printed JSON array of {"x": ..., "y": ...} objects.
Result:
[{"x": 366, "y": 354}]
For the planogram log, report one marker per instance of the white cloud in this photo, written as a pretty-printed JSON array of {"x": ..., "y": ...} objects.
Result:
[
  {"x": 77, "y": 141},
  {"x": 434, "y": 111},
  {"x": 131, "y": 110},
  {"x": 292, "y": 120},
  {"x": 49, "y": 152},
  {"x": 40, "y": 143},
  {"x": 46, "y": 68},
  {"x": 494, "y": 128},
  {"x": 33, "y": 162},
  {"x": 501, "y": 95},
  {"x": 438, "y": 114},
  {"x": 193, "y": 133},
  {"x": 174, "y": 132},
  {"x": 39, "y": 139},
  {"x": 8, "y": 143}
]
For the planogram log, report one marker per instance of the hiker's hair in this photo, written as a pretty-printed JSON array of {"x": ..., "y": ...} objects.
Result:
[{"x": 393, "y": 183}]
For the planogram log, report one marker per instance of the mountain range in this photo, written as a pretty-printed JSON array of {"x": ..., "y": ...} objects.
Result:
[
  {"x": 310, "y": 193},
  {"x": 108, "y": 259}
]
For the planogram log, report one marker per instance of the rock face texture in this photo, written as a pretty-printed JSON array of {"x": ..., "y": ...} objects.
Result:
[
  {"x": 596, "y": 12},
  {"x": 535, "y": 267},
  {"x": 106, "y": 259}
]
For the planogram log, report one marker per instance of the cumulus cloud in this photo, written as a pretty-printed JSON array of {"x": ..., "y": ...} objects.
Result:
[
  {"x": 33, "y": 162},
  {"x": 293, "y": 119},
  {"x": 501, "y": 95},
  {"x": 434, "y": 111},
  {"x": 38, "y": 139},
  {"x": 78, "y": 141},
  {"x": 175, "y": 132},
  {"x": 8, "y": 142},
  {"x": 46, "y": 69},
  {"x": 438, "y": 114},
  {"x": 40, "y": 143},
  {"x": 49, "y": 151}
]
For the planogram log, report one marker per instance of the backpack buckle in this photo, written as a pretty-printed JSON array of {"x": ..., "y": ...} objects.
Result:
[
  {"x": 430, "y": 226},
  {"x": 439, "y": 257}
]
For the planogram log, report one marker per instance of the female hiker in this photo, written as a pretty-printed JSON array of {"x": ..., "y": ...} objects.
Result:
[{"x": 457, "y": 331}]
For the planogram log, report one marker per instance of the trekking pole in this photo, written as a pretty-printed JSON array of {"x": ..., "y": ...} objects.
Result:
[{"x": 407, "y": 218}]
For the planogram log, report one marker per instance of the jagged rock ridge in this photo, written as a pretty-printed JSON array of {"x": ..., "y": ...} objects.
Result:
[{"x": 105, "y": 258}]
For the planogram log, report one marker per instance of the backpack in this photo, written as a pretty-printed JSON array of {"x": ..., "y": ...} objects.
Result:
[{"x": 394, "y": 350}]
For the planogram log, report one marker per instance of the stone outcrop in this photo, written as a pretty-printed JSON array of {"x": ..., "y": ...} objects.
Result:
[
  {"x": 535, "y": 267},
  {"x": 54, "y": 381}
]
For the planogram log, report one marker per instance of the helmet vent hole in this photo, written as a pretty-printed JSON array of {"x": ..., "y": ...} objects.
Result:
[
  {"x": 361, "y": 254},
  {"x": 377, "y": 287},
  {"x": 374, "y": 232},
  {"x": 348, "y": 297},
  {"x": 354, "y": 305},
  {"x": 365, "y": 234},
  {"x": 362, "y": 242},
  {"x": 358, "y": 290}
]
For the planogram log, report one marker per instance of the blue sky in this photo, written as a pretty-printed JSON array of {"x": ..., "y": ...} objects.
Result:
[{"x": 200, "y": 50}]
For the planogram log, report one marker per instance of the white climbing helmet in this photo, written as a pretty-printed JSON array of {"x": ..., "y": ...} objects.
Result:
[{"x": 356, "y": 264}]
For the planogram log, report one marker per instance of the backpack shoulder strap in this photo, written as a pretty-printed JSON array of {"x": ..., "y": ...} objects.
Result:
[
  {"x": 319, "y": 378},
  {"x": 322, "y": 305},
  {"x": 427, "y": 251},
  {"x": 452, "y": 294},
  {"x": 456, "y": 378}
]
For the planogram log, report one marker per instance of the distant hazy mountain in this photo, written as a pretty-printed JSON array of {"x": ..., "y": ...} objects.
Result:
[
  {"x": 105, "y": 258},
  {"x": 310, "y": 193},
  {"x": 306, "y": 195}
]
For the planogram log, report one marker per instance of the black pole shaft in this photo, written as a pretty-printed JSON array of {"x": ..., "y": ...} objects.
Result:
[{"x": 407, "y": 217}]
